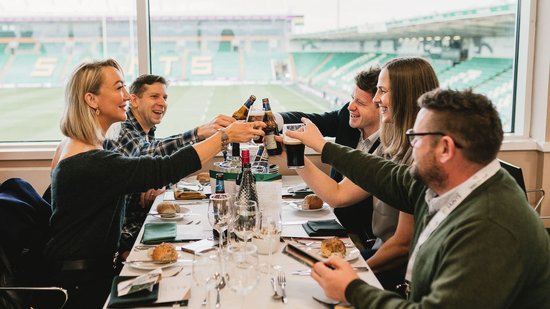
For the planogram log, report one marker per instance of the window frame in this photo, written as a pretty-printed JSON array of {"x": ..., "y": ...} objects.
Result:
[{"x": 530, "y": 130}]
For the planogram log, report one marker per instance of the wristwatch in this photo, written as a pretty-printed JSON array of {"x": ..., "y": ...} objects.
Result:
[{"x": 225, "y": 139}]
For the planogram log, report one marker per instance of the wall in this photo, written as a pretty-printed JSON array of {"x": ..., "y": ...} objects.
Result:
[{"x": 536, "y": 172}]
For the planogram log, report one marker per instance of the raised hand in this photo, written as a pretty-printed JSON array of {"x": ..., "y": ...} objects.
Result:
[
  {"x": 311, "y": 136},
  {"x": 208, "y": 129},
  {"x": 243, "y": 132}
]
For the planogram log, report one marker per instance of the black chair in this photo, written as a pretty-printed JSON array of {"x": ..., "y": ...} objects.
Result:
[
  {"x": 517, "y": 174},
  {"x": 24, "y": 226}
]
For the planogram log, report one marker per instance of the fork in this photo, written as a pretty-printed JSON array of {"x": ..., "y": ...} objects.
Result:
[{"x": 281, "y": 279}]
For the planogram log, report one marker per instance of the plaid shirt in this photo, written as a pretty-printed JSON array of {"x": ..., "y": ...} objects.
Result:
[{"x": 134, "y": 142}]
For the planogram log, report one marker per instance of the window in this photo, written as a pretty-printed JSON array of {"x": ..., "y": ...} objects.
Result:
[
  {"x": 302, "y": 55},
  {"x": 41, "y": 43}
]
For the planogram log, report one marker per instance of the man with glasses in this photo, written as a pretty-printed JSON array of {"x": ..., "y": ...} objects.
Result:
[
  {"x": 477, "y": 242},
  {"x": 136, "y": 137}
]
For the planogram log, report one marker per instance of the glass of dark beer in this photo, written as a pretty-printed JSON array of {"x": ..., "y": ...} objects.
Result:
[{"x": 294, "y": 147}]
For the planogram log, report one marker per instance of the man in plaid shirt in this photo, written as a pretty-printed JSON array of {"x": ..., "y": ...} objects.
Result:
[{"x": 136, "y": 137}]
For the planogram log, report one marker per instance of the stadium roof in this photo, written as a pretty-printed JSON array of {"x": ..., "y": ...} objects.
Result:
[{"x": 493, "y": 21}]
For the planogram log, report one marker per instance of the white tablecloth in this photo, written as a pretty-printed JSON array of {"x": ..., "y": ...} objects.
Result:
[{"x": 300, "y": 289}]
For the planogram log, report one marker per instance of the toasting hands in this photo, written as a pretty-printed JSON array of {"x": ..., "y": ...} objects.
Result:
[
  {"x": 209, "y": 129},
  {"x": 311, "y": 136},
  {"x": 242, "y": 132}
]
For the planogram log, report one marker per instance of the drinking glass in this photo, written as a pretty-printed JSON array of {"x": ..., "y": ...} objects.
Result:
[
  {"x": 294, "y": 147},
  {"x": 207, "y": 270},
  {"x": 242, "y": 269},
  {"x": 256, "y": 114},
  {"x": 219, "y": 213},
  {"x": 245, "y": 219},
  {"x": 267, "y": 236}
]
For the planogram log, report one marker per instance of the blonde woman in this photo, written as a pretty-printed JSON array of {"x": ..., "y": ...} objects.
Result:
[{"x": 89, "y": 183}]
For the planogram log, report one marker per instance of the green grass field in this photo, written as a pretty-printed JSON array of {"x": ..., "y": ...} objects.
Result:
[{"x": 33, "y": 114}]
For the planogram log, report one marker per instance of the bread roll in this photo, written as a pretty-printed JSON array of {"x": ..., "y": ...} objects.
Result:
[
  {"x": 168, "y": 208},
  {"x": 203, "y": 177},
  {"x": 312, "y": 201},
  {"x": 332, "y": 246},
  {"x": 164, "y": 253}
]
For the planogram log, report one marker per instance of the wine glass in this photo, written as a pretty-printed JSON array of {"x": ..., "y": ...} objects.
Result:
[
  {"x": 219, "y": 213},
  {"x": 267, "y": 236},
  {"x": 206, "y": 270},
  {"x": 242, "y": 269},
  {"x": 245, "y": 219}
]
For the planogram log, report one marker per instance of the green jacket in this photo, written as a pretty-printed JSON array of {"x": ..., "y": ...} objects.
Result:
[{"x": 492, "y": 251}]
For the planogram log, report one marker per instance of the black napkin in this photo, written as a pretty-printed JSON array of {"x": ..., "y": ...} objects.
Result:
[
  {"x": 324, "y": 228},
  {"x": 137, "y": 299}
]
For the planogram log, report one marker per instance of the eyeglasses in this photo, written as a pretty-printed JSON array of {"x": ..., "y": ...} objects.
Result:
[{"x": 411, "y": 136}]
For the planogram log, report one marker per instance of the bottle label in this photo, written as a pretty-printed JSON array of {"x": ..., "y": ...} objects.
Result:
[
  {"x": 270, "y": 142},
  {"x": 220, "y": 187}
]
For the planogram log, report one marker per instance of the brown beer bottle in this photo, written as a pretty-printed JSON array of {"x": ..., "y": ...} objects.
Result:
[
  {"x": 273, "y": 147},
  {"x": 241, "y": 114}
]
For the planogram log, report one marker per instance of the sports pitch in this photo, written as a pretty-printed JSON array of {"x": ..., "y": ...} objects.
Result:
[{"x": 33, "y": 114}]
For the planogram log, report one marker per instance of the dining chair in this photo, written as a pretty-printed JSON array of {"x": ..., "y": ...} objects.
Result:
[
  {"x": 33, "y": 297},
  {"x": 517, "y": 173}
]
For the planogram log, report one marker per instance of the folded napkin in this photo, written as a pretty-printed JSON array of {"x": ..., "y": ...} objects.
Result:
[
  {"x": 155, "y": 233},
  {"x": 188, "y": 194},
  {"x": 137, "y": 299},
  {"x": 324, "y": 228}
]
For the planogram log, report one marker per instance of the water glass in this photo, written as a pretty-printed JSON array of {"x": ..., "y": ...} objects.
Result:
[
  {"x": 242, "y": 268},
  {"x": 206, "y": 270},
  {"x": 245, "y": 219},
  {"x": 219, "y": 213}
]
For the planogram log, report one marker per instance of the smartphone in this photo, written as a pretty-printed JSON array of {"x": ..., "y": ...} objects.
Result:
[{"x": 300, "y": 255}]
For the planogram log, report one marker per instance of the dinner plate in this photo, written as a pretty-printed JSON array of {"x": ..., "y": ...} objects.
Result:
[
  {"x": 150, "y": 265},
  {"x": 350, "y": 254},
  {"x": 183, "y": 210},
  {"x": 298, "y": 206},
  {"x": 177, "y": 217}
]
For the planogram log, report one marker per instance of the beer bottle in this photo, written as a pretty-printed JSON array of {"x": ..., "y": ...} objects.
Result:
[
  {"x": 273, "y": 147},
  {"x": 220, "y": 188},
  {"x": 241, "y": 114}
]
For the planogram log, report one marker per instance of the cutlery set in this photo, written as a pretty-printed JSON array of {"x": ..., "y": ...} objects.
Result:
[{"x": 279, "y": 281}]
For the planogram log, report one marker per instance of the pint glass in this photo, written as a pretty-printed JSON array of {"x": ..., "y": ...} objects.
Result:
[{"x": 294, "y": 148}]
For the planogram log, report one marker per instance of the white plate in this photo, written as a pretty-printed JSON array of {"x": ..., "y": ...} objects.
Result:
[
  {"x": 177, "y": 217},
  {"x": 149, "y": 265},
  {"x": 183, "y": 210},
  {"x": 298, "y": 206},
  {"x": 350, "y": 254}
]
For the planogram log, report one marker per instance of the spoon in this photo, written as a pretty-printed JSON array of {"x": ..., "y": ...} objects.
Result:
[{"x": 220, "y": 286}]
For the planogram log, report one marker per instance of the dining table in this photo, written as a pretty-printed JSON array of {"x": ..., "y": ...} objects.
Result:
[{"x": 302, "y": 290}]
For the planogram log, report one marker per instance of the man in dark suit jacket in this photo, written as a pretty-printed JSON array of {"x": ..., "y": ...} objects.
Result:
[{"x": 350, "y": 129}]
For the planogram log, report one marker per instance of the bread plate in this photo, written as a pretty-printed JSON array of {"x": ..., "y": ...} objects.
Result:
[
  {"x": 351, "y": 254},
  {"x": 149, "y": 265},
  {"x": 298, "y": 206}
]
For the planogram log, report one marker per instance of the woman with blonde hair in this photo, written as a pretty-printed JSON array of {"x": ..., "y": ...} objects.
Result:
[
  {"x": 400, "y": 83},
  {"x": 89, "y": 183}
]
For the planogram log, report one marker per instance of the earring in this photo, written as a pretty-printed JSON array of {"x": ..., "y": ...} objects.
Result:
[{"x": 97, "y": 111}]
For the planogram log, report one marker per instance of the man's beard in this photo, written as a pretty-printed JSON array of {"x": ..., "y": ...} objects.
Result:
[{"x": 432, "y": 175}]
